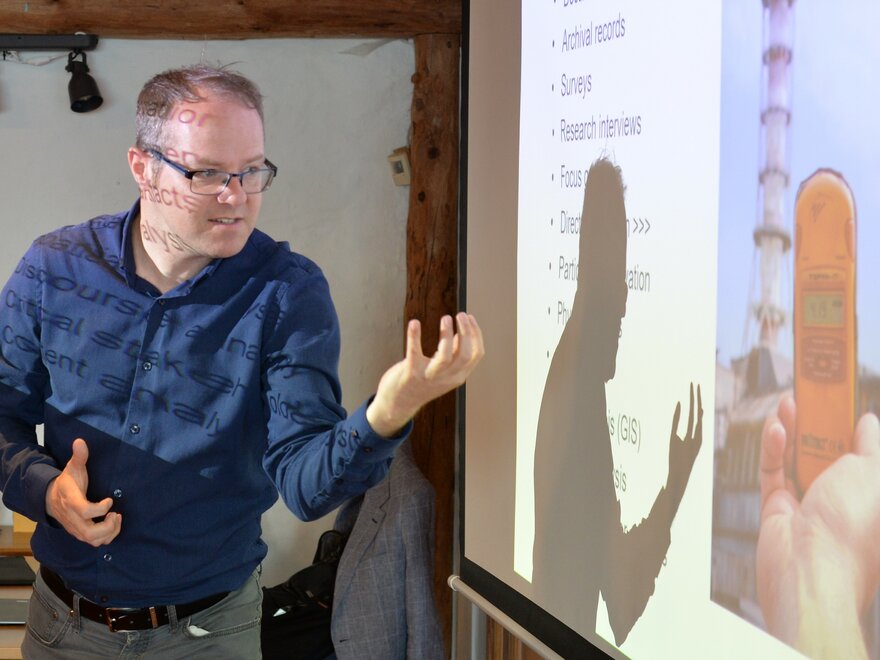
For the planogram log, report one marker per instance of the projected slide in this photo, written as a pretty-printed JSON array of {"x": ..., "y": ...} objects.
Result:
[
  {"x": 683, "y": 290},
  {"x": 618, "y": 191}
]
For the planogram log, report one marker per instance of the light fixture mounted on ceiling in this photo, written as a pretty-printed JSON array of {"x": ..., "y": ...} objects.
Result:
[{"x": 82, "y": 88}]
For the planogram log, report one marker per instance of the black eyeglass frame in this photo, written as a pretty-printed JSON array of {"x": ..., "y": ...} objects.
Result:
[{"x": 189, "y": 174}]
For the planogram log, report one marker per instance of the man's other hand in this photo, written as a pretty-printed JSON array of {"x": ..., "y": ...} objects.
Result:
[{"x": 90, "y": 522}]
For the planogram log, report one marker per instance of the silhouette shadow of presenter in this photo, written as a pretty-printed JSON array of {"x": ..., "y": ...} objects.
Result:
[{"x": 580, "y": 547}]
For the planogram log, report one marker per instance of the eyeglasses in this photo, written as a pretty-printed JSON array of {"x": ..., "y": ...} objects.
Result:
[{"x": 213, "y": 182}]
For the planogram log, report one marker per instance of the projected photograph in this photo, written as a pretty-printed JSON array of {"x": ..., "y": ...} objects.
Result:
[{"x": 796, "y": 494}]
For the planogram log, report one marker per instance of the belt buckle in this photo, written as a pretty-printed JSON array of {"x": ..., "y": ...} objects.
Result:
[{"x": 114, "y": 614}]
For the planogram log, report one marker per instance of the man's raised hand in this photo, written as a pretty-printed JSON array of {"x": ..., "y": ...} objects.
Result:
[{"x": 418, "y": 379}]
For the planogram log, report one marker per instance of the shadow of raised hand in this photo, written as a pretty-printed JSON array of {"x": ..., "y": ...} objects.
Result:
[{"x": 683, "y": 451}]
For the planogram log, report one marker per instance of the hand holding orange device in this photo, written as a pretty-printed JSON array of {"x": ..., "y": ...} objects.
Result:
[{"x": 824, "y": 323}]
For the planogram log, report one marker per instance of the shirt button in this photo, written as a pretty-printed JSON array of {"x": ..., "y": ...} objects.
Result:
[
  {"x": 117, "y": 493},
  {"x": 135, "y": 429},
  {"x": 104, "y": 599},
  {"x": 148, "y": 366},
  {"x": 108, "y": 557}
]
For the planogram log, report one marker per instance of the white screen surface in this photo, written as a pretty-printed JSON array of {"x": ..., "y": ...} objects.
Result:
[{"x": 649, "y": 99}]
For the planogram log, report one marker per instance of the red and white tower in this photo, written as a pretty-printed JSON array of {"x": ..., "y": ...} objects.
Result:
[{"x": 772, "y": 238}]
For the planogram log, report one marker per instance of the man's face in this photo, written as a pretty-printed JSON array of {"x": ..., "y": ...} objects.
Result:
[{"x": 185, "y": 227}]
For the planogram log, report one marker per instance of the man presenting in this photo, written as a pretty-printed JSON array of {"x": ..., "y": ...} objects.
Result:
[{"x": 184, "y": 367}]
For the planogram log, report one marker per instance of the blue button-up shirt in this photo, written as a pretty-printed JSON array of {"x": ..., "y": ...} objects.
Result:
[{"x": 192, "y": 404}]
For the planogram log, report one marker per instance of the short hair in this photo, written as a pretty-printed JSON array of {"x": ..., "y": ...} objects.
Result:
[{"x": 164, "y": 91}]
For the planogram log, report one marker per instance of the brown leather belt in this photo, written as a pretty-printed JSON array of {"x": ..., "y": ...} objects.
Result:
[{"x": 125, "y": 618}]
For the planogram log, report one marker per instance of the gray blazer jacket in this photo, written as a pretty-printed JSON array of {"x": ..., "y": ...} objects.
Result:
[{"x": 383, "y": 602}]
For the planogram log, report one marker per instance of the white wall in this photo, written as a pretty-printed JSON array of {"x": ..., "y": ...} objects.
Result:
[{"x": 332, "y": 117}]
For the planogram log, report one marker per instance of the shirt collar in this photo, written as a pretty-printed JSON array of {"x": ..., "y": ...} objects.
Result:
[{"x": 127, "y": 265}]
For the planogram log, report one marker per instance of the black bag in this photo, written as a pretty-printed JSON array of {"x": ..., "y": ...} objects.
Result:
[{"x": 296, "y": 613}]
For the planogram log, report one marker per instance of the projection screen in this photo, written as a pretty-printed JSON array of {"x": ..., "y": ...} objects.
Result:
[{"x": 669, "y": 238}]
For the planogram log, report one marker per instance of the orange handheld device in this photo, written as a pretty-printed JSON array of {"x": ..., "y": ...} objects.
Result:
[{"x": 824, "y": 323}]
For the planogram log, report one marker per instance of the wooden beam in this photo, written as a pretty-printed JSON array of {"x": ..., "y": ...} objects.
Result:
[
  {"x": 232, "y": 19},
  {"x": 431, "y": 262},
  {"x": 501, "y": 644}
]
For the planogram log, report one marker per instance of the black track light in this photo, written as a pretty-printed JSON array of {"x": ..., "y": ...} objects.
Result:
[{"x": 82, "y": 88}]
